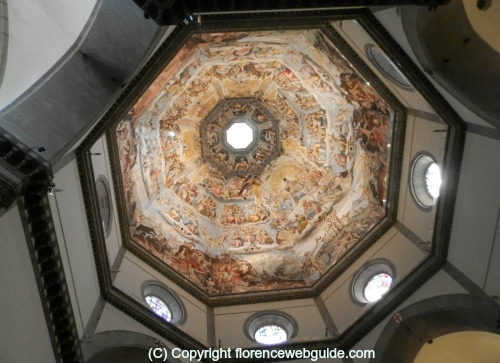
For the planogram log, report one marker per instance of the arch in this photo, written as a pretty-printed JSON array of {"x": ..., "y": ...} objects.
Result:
[
  {"x": 462, "y": 347},
  {"x": 455, "y": 56},
  {"x": 119, "y": 342},
  {"x": 60, "y": 26},
  {"x": 431, "y": 318}
]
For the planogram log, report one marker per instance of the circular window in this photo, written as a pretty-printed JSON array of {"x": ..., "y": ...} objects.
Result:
[
  {"x": 433, "y": 180},
  {"x": 270, "y": 328},
  {"x": 372, "y": 282},
  {"x": 239, "y": 135},
  {"x": 159, "y": 307},
  {"x": 425, "y": 180},
  {"x": 164, "y": 302},
  {"x": 104, "y": 199},
  {"x": 387, "y": 66},
  {"x": 377, "y": 287},
  {"x": 271, "y": 334}
]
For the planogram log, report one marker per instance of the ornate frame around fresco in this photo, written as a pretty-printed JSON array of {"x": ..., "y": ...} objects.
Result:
[
  {"x": 353, "y": 254},
  {"x": 289, "y": 20},
  {"x": 29, "y": 182}
]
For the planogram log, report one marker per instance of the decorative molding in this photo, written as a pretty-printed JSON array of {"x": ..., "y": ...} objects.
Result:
[
  {"x": 103, "y": 341},
  {"x": 413, "y": 238},
  {"x": 445, "y": 207},
  {"x": 57, "y": 65},
  {"x": 94, "y": 318},
  {"x": 270, "y": 317},
  {"x": 211, "y": 327},
  {"x": 48, "y": 267},
  {"x": 484, "y": 131},
  {"x": 28, "y": 176},
  {"x": 464, "y": 280},
  {"x": 17, "y": 164},
  {"x": 414, "y": 21},
  {"x": 321, "y": 21},
  {"x": 176, "y": 12},
  {"x": 211, "y": 127},
  {"x": 115, "y": 267},
  {"x": 431, "y": 318},
  {"x": 425, "y": 115},
  {"x": 44, "y": 249},
  {"x": 327, "y": 318},
  {"x": 8, "y": 191}
]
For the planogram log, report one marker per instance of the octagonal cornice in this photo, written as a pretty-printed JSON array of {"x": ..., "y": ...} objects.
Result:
[
  {"x": 368, "y": 240},
  {"x": 452, "y": 159}
]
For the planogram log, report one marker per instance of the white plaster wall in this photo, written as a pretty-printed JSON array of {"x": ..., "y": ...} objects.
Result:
[
  {"x": 420, "y": 135},
  {"x": 101, "y": 166},
  {"x": 309, "y": 321},
  {"x": 356, "y": 265},
  {"x": 67, "y": 267},
  {"x": 492, "y": 287},
  {"x": 475, "y": 227},
  {"x": 113, "y": 319},
  {"x": 23, "y": 331},
  {"x": 400, "y": 251},
  {"x": 391, "y": 21},
  {"x": 68, "y": 210},
  {"x": 420, "y": 138},
  {"x": 358, "y": 38},
  {"x": 133, "y": 273},
  {"x": 440, "y": 284},
  {"x": 40, "y": 33}
]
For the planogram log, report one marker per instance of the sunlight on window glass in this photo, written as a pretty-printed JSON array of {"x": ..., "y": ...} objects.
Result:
[
  {"x": 377, "y": 287},
  {"x": 239, "y": 135},
  {"x": 159, "y": 307},
  {"x": 433, "y": 180},
  {"x": 270, "y": 334}
]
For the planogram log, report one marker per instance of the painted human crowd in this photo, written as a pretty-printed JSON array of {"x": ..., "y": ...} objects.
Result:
[{"x": 312, "y": 203}]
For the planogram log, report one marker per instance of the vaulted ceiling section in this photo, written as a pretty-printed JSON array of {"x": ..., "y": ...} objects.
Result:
[
  {"x": 226, "y": 228},
  {"x": 195, "y": 211}
]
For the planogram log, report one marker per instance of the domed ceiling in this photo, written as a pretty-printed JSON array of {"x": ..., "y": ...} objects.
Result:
[{"x": 308, "y": 183}]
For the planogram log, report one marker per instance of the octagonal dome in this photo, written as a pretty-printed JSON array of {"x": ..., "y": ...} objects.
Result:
[{"x": 195, "y": 205}]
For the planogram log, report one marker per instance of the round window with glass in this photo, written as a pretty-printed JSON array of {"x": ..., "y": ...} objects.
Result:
[
  {"x": 433, "y": 180},
  {"x": 387, "y": 67},
  {"x": 377, "y": 286},
  {"x": 270, "y": 327},
  {"x": 159, "y": 307},
  {"x": 164, "y": 302},
  {"x": 373, "y": 281},
  {"x": 425, "y": 180},
  {"x": 271, "y": 334}
]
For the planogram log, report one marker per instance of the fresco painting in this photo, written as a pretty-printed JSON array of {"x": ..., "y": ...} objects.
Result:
[
  {"x": 261, "y": 150},
  {"x": 309, "y": 206}
]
